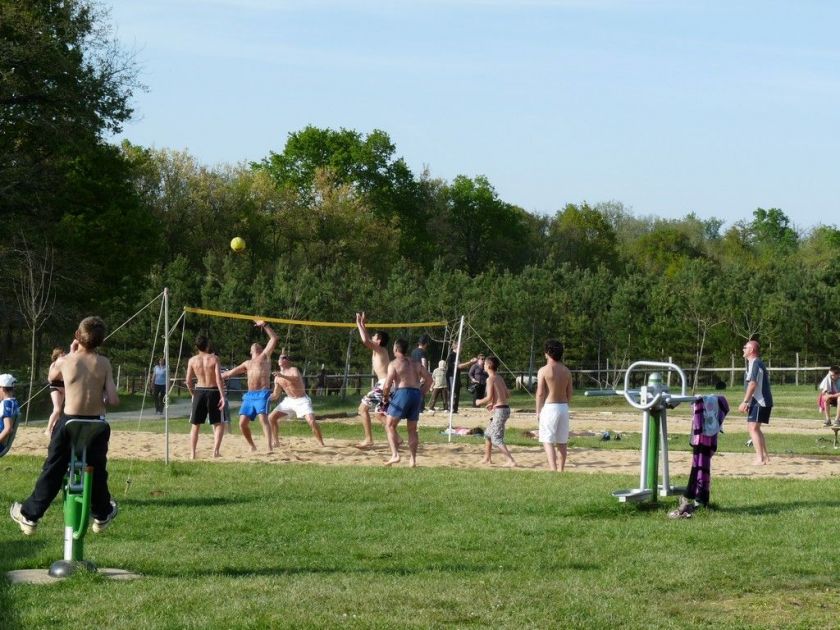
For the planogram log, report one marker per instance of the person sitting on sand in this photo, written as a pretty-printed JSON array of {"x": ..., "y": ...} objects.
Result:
[{"x": 829, "y": 393}]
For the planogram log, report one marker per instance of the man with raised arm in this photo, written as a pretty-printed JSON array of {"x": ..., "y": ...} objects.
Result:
[
  {"x": 208, "y": 396},
  {"x": 406, "y": 384},
  {"x": 554, "y": 391},
  {"x": 88, "y": 387},
  {"x": 290, "y": 380},
  {"x": 378, "y": 345},
  {"x": 255, "y": 400}
]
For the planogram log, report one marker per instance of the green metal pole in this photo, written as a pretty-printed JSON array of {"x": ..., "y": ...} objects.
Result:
[
  {"x": 77, "y": 514},
  {"x": 653, "y": 455}
]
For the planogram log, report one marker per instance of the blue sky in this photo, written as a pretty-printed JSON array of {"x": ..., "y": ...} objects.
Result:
[{"x": 669, "y": 107}]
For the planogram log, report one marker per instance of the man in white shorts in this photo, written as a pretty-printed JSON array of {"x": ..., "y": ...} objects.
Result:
[
  {"x": 554, "y": 391},
  {"x": 296, "y": 402}
]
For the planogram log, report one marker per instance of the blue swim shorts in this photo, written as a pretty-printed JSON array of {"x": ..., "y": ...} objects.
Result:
[
  {"x": 255, "y": 403},
  {"x": 406, "y": 402}
]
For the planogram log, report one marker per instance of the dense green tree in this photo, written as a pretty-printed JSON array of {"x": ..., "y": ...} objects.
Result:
[
  {"x": 770, "y": 231},
  {"x": 583, "y": 237},
  {"x": 65, "y": 83},
  {"x": 483, "y": 229},
  {"x": 663, "y": 250},
  {"x": 367, "y": 164}
]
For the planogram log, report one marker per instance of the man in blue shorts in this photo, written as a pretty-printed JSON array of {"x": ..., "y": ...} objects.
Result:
[
  {"x": 406, "y": 384},
  {"x": 758, "y": 401},
  {"x": 255, "y": 400}
]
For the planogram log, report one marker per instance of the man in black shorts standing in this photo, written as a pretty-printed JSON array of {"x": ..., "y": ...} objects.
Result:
[
  {"x": 208, "y": 396},
  {"x": 88, "y": 387}
]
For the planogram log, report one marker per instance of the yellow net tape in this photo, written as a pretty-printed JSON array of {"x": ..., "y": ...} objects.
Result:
[{"x": 303, "y": 322}]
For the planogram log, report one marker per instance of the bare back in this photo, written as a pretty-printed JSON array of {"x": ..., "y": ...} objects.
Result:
[
  {"x": 403, "y": 373},
  {"x": 88, "y": 383},
  {"x": 204, "y": 367},
  {"x": 554, "y": 384}
]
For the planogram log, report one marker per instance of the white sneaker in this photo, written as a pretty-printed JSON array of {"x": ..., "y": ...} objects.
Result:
[
  {"x": 100, "y": 525},
  {"x": 26, "y": 526}
]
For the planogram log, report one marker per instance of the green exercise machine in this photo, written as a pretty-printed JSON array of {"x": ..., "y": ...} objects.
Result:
[
  {"x": 653, "y": 399},
  {"x": 77, "y": 492}
]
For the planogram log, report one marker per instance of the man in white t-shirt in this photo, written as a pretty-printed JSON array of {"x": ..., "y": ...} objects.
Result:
[{"x": 829, "y": 393}]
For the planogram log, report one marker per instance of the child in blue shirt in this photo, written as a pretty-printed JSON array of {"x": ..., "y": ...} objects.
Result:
[{"x": 9, "y": 410}]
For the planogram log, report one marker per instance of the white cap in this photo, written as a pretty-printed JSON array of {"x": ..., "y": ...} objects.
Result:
[{"x": 7, "y": 380}]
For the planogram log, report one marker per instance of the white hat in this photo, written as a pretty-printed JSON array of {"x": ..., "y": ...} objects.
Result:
[{"x": 7, "y": 380}]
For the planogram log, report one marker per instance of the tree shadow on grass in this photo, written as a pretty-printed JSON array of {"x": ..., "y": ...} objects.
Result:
[
  {"x": 200, "y": 501},
  {"x": 763, "y": 509},
  {"x": 396, "y": 570},
  {"x": 382, "y": 568}
]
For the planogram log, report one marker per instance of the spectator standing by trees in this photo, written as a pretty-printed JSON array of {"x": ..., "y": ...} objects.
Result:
[
  {"x": 453, "y": 376},
  {"x": 478, "y": 379},
  {"x": 159, "y": 380},
  {"x": 439, "y": 386}
]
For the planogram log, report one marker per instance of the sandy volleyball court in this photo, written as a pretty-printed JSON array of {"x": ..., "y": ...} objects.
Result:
[{"x": 467, "y": 452}]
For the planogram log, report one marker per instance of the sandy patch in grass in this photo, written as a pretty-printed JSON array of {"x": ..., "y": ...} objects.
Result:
[{"x": 466, "y": 452}]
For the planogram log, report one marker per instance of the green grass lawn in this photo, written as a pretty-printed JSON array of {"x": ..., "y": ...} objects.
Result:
[{"x": 257, "y": 545}]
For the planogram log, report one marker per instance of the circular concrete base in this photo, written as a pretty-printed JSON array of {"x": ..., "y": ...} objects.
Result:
[{"x": 42, "y": 576}]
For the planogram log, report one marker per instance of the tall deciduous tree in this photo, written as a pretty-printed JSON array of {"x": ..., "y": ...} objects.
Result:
[
  {"x": 64, "y": 83},
  {"x": 35, "y": 296},
  {"x": 583, "y": 237},
  {"x": 366, "y": 163},
  {"x": 483, "y": 229}
]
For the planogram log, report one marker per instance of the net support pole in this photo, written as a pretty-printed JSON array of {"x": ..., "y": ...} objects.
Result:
[
  {"x": 346, "y": 381},
  {"x": 166, "y": 369},
  {"x": 455, "y": 376}
]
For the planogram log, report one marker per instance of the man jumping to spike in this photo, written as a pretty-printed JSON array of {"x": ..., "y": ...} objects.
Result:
[
  {"x": 255, "y": 400},
  {"x": 378, "y": 345}
]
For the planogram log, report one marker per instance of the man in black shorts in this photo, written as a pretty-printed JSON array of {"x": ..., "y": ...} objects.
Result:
[{"x": 208, "y": 396}]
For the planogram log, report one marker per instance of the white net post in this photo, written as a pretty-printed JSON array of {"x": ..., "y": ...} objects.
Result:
[{"x": 454, "y": 376}]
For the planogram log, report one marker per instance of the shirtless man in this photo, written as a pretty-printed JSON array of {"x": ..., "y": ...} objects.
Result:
[
  {"x": 88, "y": 387},
  {"x": 290, "y": 380},
  {"x": 208, "y": 397},
  {"x": 497, "y": 402},
  {"x": 255, "y": 400},
  {"x": 380, "y": 360},
  {"x": 554, "y": 391},
  {"x": 406, "y": 384}
]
